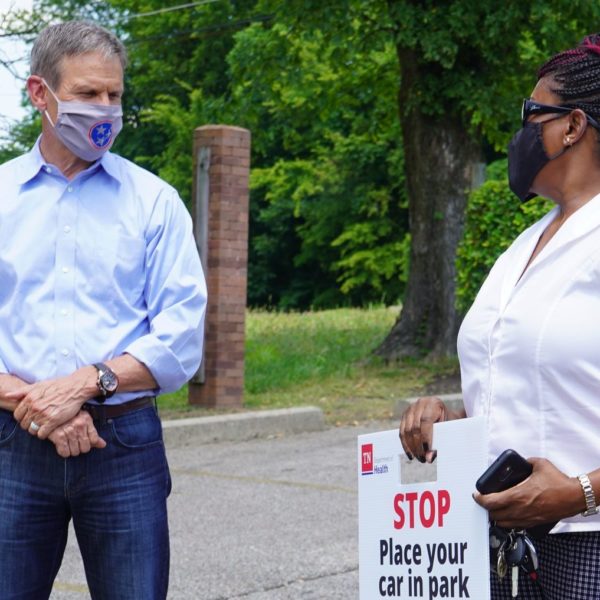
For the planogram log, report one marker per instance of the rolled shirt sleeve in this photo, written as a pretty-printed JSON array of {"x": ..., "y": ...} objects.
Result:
[{"x": 175, "y": 294}]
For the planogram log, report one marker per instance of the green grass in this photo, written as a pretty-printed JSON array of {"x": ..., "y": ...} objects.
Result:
[
  {"x": 284, "y": 350},
  {"x": 322, "y": 359}
]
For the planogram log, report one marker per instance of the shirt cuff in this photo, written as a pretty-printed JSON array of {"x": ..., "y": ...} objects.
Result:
[
  {"x": 160, "y": 361},
  {"x": 3, "y": 368}
]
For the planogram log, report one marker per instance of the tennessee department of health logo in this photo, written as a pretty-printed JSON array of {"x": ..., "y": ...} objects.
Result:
[
  {"x": 100, "y": 134},
  {"x": 366, "y": 456}
]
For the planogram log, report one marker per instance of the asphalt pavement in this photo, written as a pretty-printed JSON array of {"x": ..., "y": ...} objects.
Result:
[{"x": 262, "y": 519}]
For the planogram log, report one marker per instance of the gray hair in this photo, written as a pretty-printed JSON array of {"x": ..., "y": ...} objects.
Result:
[{"x": 72, "y": 38}]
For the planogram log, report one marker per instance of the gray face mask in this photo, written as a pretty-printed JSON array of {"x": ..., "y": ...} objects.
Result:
[{"x": 87, "y": 130}]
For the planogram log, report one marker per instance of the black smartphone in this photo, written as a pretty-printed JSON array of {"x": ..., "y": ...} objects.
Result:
[{"x": 506, "y": 471}]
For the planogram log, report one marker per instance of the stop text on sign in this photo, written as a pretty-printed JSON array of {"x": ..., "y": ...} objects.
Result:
[{"x": 422, "y": 508}]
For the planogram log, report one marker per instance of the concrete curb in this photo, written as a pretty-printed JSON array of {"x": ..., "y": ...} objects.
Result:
[
  {"x": 452, "y": 401},
  {"x": 242, "y": 426}
]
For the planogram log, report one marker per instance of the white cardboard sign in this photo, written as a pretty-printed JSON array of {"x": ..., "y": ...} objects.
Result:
[{"x": 423, "y": 540}]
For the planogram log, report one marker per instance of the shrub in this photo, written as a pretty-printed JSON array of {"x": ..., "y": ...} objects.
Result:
[{"x": 494, "y": 218}]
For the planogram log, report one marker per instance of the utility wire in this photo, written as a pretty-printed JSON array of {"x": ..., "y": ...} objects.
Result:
[
  {"x": 159, "y": 11},
  {"x": 198, "y": 30},
  {"x": 119, "y": 18},
  {"x": 174, "y": 34}
]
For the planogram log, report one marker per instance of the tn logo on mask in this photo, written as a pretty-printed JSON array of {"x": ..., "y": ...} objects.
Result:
[{"x": 101, "y": 134}]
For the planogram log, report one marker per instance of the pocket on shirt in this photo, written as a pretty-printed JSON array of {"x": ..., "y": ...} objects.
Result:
[
  {"x": 130, "y": 267},
  {"x": 117, "y": 272}
]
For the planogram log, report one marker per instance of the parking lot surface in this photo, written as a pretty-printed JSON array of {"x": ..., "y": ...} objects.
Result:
[{"x": 264, "y": 519}]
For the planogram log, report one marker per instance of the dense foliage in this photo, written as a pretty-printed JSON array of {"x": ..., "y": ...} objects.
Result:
[
  {"x": 333, "y": 179},
  {"x": 463, "y": 67},
  {"x": 328, "y": 222},
  {"x": 319, "y": 85},
  {"x": 494, "y": 218}
]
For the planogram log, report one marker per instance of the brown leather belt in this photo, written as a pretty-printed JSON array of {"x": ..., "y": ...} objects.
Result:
[{"x": 103, "y": 412}]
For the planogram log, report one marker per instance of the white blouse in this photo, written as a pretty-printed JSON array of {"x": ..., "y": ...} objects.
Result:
[{"x": 529, "y": 349}]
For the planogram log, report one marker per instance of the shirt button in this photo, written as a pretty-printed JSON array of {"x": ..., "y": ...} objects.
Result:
[
  {"x": 64, "y": 352},
  {"x": 70, "y": 188},
  {"x": 65, "y": 269},
  {"x": 64, "y": 312},
  {"x": 48, "y": 169},
  {"x": 66, "y": 229}
]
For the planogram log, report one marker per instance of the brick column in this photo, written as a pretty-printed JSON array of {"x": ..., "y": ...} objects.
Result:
[{"x": 222, "y": 166}]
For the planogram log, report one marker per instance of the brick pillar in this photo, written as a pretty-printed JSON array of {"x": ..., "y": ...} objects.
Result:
[{"x": 222, "y": 166}]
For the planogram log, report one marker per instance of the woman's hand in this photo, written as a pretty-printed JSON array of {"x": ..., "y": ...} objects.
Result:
[
  {"x": 546, "y": 496},
  {"x": 416, "y": 426}
]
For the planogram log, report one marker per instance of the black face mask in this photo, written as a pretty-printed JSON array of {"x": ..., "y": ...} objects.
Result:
[{"x": 526, "y": 158}]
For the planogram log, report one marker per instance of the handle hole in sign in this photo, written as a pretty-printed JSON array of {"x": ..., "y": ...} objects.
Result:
[{"x": 412, "y": 471}]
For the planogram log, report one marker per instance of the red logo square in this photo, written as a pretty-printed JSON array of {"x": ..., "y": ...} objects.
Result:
[{"x": 366, "y": 452}]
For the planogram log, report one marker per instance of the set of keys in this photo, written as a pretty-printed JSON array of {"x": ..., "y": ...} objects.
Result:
[{"x": 516, "y": 551}]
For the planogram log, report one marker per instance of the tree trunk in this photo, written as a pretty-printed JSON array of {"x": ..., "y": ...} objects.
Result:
[{"x": 442, "y": 164}]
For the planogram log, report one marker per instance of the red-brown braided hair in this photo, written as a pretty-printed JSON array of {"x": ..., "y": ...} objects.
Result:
[{"x": 577, "y": 75}]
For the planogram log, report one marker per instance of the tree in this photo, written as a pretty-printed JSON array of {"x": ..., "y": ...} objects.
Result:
[
  {"x": 463, "y": 68},
  {"x": 327, "y": 167},
  {"x": 363, "y": 112},
  {"x": 328, "y": 213}
]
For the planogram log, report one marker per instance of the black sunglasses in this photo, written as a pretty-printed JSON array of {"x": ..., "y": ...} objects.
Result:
[{"x": 531, "y": 107}]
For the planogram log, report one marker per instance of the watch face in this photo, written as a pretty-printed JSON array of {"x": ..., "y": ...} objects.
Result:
[{"x": 109, "y": 381}]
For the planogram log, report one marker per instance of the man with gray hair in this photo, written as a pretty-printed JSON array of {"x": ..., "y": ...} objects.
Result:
[{"x": 102, "y": 302}]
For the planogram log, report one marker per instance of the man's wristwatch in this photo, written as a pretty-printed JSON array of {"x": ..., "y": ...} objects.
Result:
[
  {"x": 590, "y": 499},
  {"x": 107, "y": 382}
]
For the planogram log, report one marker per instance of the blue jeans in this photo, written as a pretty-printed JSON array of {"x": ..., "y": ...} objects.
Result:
[{"x": 116, "y": 497}]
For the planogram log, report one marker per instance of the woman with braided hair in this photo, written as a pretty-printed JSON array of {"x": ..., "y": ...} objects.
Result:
[{"x": 529, "y": 347}]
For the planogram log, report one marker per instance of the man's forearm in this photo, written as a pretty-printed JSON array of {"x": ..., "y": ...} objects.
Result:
[{"x": 133, "y": 375}]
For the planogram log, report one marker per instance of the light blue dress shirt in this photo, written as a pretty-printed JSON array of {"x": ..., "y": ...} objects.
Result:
[{"x": 95, "y": 267}]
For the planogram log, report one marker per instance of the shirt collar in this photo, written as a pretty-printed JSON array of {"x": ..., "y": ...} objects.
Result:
[
  {"x": 110, "y": 165},
  {"x": 33, "y": 162}
]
